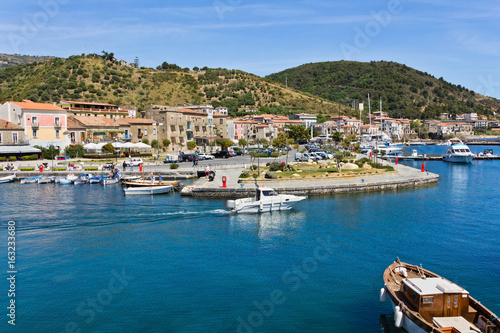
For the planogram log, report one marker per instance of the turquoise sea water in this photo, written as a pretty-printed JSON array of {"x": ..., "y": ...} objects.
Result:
[{"x": 91, "y": 259}]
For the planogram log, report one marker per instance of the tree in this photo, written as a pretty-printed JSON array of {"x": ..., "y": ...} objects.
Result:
[
  {"x": 336, "y": 136},
  {"x": 74, "y": 151},
  {"x": 166, "y": 143},
  {"x": 145, "y": 140},
  {"x": 108, "y": 148},
  {"x": 154, "y": 143},
  {"x": 242, "y": 142},
  {"x": 280, "y": 141},
  {"x": 298, "y": 132},
  {"x": 191, "y": 145},
  {"x": 224, "y": 143}
]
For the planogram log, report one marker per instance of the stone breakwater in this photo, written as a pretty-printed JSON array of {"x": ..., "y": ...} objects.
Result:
[{"x": 405, "y": 177}]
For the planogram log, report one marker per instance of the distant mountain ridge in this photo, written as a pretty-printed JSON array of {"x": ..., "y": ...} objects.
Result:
[
  {"x": 404, "y": 91},
  {"x": 7, "y": 60}
]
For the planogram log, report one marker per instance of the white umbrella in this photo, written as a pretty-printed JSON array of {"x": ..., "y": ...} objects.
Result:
[
  {"x": 142, "y": 145},
  {"x": 128, "y": 145},
  {"x": 91, "y": 146},
  {"x": 117, "y": 144}
]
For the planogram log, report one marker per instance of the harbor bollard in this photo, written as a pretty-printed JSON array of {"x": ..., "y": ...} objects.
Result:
[
  {"x": 396, "y": 161},
  {"x": 423, "y": 167},
  {"x": 41, "y": 168},
  {"x": 140, "y": 167},
  {"x": 224, "y": 182}
]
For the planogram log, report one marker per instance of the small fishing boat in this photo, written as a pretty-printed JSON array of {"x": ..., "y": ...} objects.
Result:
[
  {"x": 147, "y": 190},
  {"x": 80, "y": 181},
  {"x": 426, "y": 302},
  {"x": 66, "y": 181},
  {"x": 147, "y": 183},
  {"x": 265, "y": 200},
  {"x": 458, "y": 152},
  {"x": 30, "y": 180},
  {"x": 46, "y": 180},
  {"x": 8, "y": 179},
  {"x": 109, "y": 181},
  {"x": 96, "y": 180}
]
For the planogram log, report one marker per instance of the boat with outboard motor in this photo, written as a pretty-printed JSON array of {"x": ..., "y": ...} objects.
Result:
[
  {"x": 30, "y": 180},
  {"x": 458, "y": 152},
  {"x": 265, "y": 200},
  {"x": 423, "y": 301},
  {"x": 8, "y": 179},
  {"x": 147, "y": 190}
]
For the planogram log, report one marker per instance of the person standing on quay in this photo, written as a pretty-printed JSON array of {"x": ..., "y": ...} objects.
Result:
[{"x": 207, "y": 171}]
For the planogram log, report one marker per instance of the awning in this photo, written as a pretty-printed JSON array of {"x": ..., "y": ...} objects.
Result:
[{"x": 19, "y": 150}]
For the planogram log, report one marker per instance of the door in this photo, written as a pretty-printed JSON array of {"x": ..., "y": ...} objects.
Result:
[{"x": 451, "y": 305}]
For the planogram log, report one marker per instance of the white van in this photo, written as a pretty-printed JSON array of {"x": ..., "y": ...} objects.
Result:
[
  {"x": 171, "y": 159},
  {"x": 134, "y": 162}
]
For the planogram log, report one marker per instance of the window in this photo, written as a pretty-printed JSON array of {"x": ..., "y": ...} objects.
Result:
[
  {"x": 14, "y": 137},
  {"x": 0, "y": 137},
  {"x": 154, "y": 131},
  {"x": 34, "y": 121},
  {"x": 146, "y": 131},
  {"x": 57, "y": 121},
  {"x": 58, "y": 134},
  {"x": 35, "y": 134},
  {"x": 427, "y": 299},
  {"x": 221, "y": 121}
]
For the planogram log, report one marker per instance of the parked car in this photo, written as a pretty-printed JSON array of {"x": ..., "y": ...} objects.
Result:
[
  {"x": 134, "y": 162},
  {"x": 222, "y": 154},
  {"x": 171, "y": 159},
  {"x": 240, "y": 152},
  {"x": 186, "y": 157},
  {"x": 305, "y": 157},
  {"x": 206, "y": 156}
]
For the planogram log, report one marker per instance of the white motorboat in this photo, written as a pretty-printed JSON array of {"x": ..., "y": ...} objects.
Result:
[
  {"x": 458, "y": 152},
  {"x": 8, "y": 179},
  {"x": 147, "y": 190},
  {"x": 46, "y": 180},
  {"x": 109, "y": 181},
  {"x": 265, "y": 200}
]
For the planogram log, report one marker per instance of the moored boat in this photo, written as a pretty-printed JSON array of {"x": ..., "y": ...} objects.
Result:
[
  {"x": 265, "y": 200},
  {"x": 46, "y": 180},
  {"x": 31, "y": 180},
  {"x": 423, "y": 301},
  {"x": 147, "y": 190},
  {"x": 147, "y": 183},
  {"x": 7, "y": 179},
  {"x": 109, "y": 181},
  {"x": 458, "y": 152}
]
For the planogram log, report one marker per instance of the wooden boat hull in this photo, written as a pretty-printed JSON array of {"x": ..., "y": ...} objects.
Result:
[
  {"x": 412, "y": 320},
  {"x": 147, "y": 190}
]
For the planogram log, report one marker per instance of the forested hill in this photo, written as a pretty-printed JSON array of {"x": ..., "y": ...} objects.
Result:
[
  {"x": 404, "y": 91},
  {"x": 98, "y": 78}
]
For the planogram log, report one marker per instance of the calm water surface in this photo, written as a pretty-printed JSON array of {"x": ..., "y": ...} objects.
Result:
[{"x": 91, "y": 259}]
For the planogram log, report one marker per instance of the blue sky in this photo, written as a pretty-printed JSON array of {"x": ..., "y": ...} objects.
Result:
[{"x": 457, "y": 40}]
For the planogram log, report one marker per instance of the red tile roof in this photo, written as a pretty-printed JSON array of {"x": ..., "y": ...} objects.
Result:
[
  {"x": 7, "y": 125},
  {"x": 94, "y": 121},
  {"x": 141, "y": 121},
  {"x": 74, "y": 125},
  {"x": 25, "y": 104}
]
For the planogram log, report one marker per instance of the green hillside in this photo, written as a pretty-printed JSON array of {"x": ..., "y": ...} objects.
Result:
[
  {"x": 94, "y": 78},
  {"x": 404, "y": 91},
  {"x": 7, "y": 60}
]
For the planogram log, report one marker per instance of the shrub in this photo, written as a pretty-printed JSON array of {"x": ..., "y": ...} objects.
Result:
[
  {"x": 27, "y": 169},
  {"x": 174, "y": 166},
  {"x": 275, "y": 154},
  {"x": 270, "y": 175},
  {"x": 275, "y": 166},
  {"x": 91, "y": 169},
  {"x": 2, "y": 158},
  {"x": 30, "y": 157},
  {"x": 12, "y": 158},
  {"x": 254, "y": 167},
  {"x": 108, "y": 148},
  {"x": 59, "y": 169},
  {"x": 244, "y": 175}
]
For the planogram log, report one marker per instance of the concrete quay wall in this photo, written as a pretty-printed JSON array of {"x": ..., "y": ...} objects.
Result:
[{"x": 315, "y": 189}]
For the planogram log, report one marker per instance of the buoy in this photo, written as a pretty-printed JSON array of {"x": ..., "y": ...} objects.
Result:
[
  {"x": 398, "y": 317},
  {"x": 383, "y": 295}
]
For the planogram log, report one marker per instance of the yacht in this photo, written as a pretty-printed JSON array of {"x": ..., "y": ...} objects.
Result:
[
  {"x": 265, "y": 200},
  {"x": 458, "y": 152}
]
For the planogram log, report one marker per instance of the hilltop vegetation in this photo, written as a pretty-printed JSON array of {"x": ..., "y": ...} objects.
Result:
[
  {"x": 404, "y": 91},
  {"x": 7, "y": 60},
  {"x": 97, "y": 78}
]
